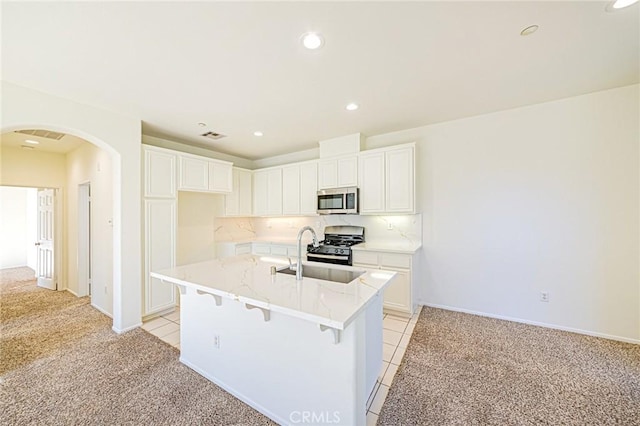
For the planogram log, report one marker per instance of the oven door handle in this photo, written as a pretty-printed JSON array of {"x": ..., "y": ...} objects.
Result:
[{"x": 327, "y": 256}]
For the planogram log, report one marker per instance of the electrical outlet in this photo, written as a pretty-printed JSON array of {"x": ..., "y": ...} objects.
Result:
[
  {"x": 544, "y": 296},
  {"x": 389, "y": 226},
  {"x": 216, "y": 341}
]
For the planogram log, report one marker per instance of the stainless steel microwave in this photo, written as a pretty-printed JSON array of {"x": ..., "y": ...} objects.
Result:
[{"x": 338, "y": 201}]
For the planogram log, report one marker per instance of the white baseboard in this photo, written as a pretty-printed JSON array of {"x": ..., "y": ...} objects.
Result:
[
  {"x": 102, "y": 310},
  {"x": 71, "y": 291},
  {"x": 124, "y": 330},
  {"x": 536, "y": 323}
]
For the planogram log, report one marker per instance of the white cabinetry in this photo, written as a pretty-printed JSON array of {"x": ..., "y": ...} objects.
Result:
[
  {"x": 399, "y": 295},
  {"x": 274, "y": 192},
  {"x": 229, "y": 249},
  {"x": 275, "y": 249},
  {"x": 372, "y": 185},
  {"x": 287, "y": 190},
  {"x": 291, "y": 190},
  {"x": 160, "y": 173},
  {"x": 194, "y": 174},
  {"x": 309, "y": 188},
  {"x": 267, "y": 192},
  {"x": 338, "y": 166},
  {"x": 160, "y": 192},
  {"x": 204, "y": 175},
  {"x": 238, "y": 203},
  {"x": 299, "y": 188},
  {"x": 387, "y": 180},
  {"x": 160, "y": 243},
  {"x": 338, "y": 172},
  {"x": 165, "y": 173},
  {"x": 220, "y": 176}
]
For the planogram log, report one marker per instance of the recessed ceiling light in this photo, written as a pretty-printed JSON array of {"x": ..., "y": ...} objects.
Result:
[
  {"x": 27, "y": 147},
  {"x": 31, "y": 141},
  {"x": 529, "y": 30},
  {"x": 258, "y": 133},
  {"x": 312, "y": 41},
  {"x": 201, "y": 124},
  {"x": 620, "y": 4},
  {"x": 352, "y": 107}
]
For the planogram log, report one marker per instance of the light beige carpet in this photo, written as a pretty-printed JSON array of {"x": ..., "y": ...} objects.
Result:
[
  {"x": 462, "y": 369},
  {"x": 61, "y": 364}
]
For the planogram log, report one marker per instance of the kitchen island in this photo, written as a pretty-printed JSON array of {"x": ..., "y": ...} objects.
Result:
[{"x": 300, "y": 352}]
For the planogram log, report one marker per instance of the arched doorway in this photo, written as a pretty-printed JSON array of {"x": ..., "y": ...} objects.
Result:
[
  {"x": 80, "y": 254},
  {"x": 118, "y": 135}
]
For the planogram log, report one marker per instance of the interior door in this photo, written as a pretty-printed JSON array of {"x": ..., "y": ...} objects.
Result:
[{"x": 45, "y": 273}]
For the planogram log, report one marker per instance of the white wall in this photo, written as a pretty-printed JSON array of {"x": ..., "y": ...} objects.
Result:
[
  {"x": 88, "y": 163},
  {"x": 17, "y": 226},
  {"x": 540, "y": 198},
  {"x": 118, "y": 135},
  {"x": 195, "y": 239}
]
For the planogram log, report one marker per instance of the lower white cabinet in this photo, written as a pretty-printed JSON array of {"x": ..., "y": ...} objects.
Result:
[
  {"x": 400, "y": 294},
  {"x": 230, "y": 249},
  {"x": 275, "y": 249},
  {"x": 160, "y": 246}
]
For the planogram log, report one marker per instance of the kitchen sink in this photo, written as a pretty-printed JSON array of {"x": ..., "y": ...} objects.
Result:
[{"x": 327, "y": 274}]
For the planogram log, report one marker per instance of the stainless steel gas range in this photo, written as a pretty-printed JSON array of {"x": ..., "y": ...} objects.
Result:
[{"x": 336, "y": 246}]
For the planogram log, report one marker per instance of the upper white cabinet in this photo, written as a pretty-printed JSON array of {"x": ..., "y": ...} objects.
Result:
[
  {"x": 338, "y": 172},
  {"x": 299, "y": 188},
  {"x": 309, "y": 188},
  {"x": 372, "y": 187},
  {"x": 267, "y": 192},
  {"x": 400, "y": 180},
  {"x": 338, "y": 166},
  {"x": 238, "y": 203},
  {"x": 274, "y": 191},
  {"x": 160, "y": 173},
  {"x": 194, "y": 174},
  {"x": 387, "y": 180},
  {"x": 220, "y": 176},
  {"x": 291, "y": 190},
  {"x": 287, "y": 190},
  {"x": 204, "y": 175}
]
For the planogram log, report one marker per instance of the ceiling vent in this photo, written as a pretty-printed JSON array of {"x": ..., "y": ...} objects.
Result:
[
  {"x": 42, "y": 133},
  {"x": 213, "y": 135}
]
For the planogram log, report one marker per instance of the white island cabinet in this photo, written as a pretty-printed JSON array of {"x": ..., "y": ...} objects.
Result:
[{"x": 282, "y": 346}]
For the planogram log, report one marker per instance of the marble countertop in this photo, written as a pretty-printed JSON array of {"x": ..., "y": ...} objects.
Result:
[
  {"x": 247, "y": 279},
  {"x": 406, "y": 247}
]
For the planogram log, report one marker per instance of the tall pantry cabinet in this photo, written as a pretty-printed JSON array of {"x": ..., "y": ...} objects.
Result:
[{"x": 160, "y": 206}]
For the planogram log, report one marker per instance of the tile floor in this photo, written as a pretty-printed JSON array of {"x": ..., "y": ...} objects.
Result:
[{"x": 395, "y": 336}]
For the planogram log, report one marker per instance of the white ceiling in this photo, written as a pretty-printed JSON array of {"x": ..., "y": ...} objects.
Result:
[
  {"x": 239, "y": 67},
  {"x": 66, "y": 144}
]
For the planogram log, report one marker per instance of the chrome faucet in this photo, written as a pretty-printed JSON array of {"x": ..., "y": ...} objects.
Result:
[{"x": 315, "y": 244}]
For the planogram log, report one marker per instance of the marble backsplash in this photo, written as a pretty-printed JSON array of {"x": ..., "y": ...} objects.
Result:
[{"x": 404, "y": 228}]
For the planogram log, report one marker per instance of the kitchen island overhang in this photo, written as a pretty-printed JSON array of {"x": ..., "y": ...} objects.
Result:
[{"x": 309, "y": 349}]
